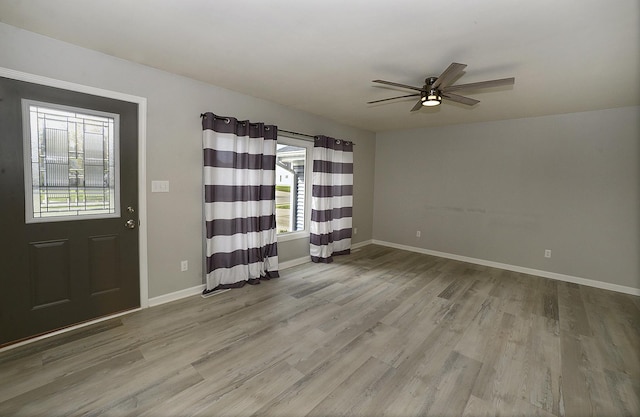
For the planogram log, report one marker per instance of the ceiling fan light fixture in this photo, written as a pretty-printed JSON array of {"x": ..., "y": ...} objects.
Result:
[{"x": 433, "y": 98}]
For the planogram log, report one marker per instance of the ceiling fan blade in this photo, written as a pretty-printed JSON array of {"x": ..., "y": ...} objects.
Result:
[
  {"x": 448, "y": 75},
  {"x": 460, "y": 99},
  {"x": 397, "y": 85},
  {"x": 392, "y": 98},
  {"x": 418, "y": 106},
  {"x": 480, "y": 84}
]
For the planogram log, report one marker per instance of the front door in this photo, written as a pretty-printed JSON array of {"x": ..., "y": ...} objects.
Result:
[{"x": 68, "y": 212}]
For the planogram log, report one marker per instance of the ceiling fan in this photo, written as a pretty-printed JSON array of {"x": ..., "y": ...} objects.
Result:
[{"x": 435, "y": 89}]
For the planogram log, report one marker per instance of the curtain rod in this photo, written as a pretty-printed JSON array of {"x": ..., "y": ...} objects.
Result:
[{"x": 311, "y": 138}]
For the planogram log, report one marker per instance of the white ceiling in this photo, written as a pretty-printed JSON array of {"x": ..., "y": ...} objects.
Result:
[{"x": 321, "y": 55}]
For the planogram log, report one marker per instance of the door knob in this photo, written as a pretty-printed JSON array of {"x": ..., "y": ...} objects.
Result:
[{"x": 130, "y": 224}]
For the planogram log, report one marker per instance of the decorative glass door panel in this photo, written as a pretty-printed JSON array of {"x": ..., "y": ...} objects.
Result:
[{"x": 71, "y": 163}]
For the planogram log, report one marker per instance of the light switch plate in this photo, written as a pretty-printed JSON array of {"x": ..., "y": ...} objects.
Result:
[{"x": 159, "y": 186}]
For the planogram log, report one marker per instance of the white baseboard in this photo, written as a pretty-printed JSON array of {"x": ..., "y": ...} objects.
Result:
[
  {"x": 361, "y": 244},
  {"x": 515, "y": 268},
  {"x": 305, "y": 259},
  {"x": 177, "y": 295},
  {"x": 188, "y": 292},
  {"x": 294, "y": 262}
]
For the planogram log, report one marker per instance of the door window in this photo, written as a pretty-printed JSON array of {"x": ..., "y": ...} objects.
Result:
[{"x": 71, "y": 163}]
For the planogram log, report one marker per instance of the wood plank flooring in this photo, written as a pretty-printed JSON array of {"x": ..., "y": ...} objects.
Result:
[{"x": 381, "y": 332}]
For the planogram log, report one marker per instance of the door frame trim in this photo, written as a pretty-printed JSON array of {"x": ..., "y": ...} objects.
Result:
[{"x": 142, "y": 159}]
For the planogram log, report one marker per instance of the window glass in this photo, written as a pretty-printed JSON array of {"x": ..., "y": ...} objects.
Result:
[
  {"x": 291, "y": 161},
  {"x": 70, "y": 163}
]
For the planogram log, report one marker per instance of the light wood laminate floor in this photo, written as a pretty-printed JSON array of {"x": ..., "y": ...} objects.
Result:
[{"x": 381, "y": 332}]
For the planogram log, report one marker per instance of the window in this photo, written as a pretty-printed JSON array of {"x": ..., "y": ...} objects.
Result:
[
  {"x": 291, "y": 185},
  {"x": 71, "y": 161}
]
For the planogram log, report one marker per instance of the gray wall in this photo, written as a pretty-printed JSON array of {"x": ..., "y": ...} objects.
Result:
[
  {"x": 501, "y": 191},
  {"x": 506, "y": 191},
  {"x": 174, "y": 140}
]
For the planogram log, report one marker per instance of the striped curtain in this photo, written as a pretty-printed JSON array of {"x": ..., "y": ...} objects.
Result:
[
  {"x": 332, "y": 199},
  {"x": 239, "y": 202}
]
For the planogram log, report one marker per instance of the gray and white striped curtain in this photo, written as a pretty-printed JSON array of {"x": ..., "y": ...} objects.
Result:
[
  {"x": 332, "y": 199},
  {"x": 239, "y": 202}
]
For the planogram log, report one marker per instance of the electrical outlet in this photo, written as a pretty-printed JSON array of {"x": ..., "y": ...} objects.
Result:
[
  {"x": 417, "y": 233},
  {"x": 355, "y": 230},
  {"x": 547, "y": 253},
  {"x": 184, "y": 265}
]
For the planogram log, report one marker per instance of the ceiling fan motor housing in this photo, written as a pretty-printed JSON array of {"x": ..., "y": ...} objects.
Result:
[
  {"x": 430, "y": 96},
  {"x": 430, "y": 93},
  {"x": 430, "y": 81}
]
